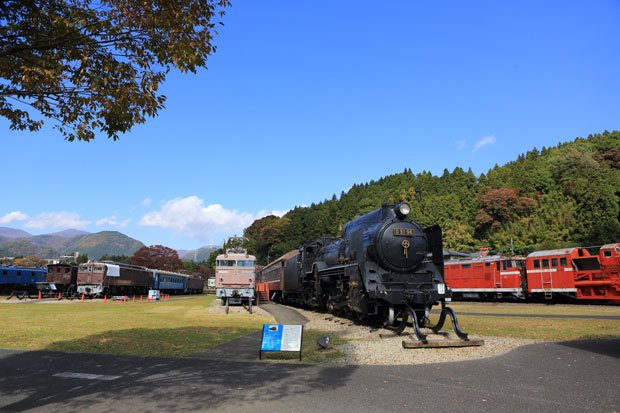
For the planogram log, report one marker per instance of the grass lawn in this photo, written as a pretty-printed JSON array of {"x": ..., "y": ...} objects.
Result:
[
  {"x": 554, "y": 329},
  {"x": 166, "y": 328},
  {"x": 531, "y": 308},
  {"x": 184, "y": 326}
]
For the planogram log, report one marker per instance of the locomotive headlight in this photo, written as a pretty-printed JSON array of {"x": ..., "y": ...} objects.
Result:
[{"x": 402, "y": 210}]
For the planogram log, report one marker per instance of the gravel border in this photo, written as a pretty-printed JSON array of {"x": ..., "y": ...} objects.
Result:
[
  {"x": 216, "y": 307},
  {"x": 365, "y": 347}
]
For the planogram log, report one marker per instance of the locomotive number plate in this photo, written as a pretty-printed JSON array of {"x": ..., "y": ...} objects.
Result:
[{"x": 402, "y": 232}]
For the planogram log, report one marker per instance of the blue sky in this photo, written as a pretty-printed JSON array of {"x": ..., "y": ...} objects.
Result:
[{"x": 305, "y": 98}]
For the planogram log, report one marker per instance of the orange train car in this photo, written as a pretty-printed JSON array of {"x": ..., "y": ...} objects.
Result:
[
  {"x": 552, "y": 273},
  {"x": 571, "y": 274},
  {"x": 486, "y": 278},
  {"x": 597, "y": 278}
]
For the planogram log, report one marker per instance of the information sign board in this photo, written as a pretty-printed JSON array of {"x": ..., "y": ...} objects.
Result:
[{"x": 281, "y": 337}]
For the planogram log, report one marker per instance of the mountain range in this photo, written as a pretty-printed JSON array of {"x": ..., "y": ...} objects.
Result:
[
  {"x": 18, "y": 243},
  {"x": 200, "y": 254}
]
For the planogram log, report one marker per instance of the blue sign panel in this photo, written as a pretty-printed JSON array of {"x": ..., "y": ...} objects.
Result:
[{"x": 272, "y": 337}]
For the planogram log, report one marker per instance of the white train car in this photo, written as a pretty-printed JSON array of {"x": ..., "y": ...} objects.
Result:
[{"x": 235, "y": 277}]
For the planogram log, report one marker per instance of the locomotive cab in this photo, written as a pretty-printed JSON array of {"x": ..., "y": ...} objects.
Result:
[{"x": 235, "y": 277}]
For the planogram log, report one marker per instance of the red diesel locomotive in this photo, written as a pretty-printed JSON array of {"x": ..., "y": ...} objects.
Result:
[{"x": 569, "y": 273}]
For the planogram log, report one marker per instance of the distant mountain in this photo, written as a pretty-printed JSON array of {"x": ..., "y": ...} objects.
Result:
[
  {"x": 22, "y": 247},
  {"x": 52, "y": 246},
  {"x": 105, "y": 243},
  {"x": 12, "y": 233},
  {"x": 70, "y": 233},
  {"x": 200, "y": 254},
  {"x": 182, "y": 253}
]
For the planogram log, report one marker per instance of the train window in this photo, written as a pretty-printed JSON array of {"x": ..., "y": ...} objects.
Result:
[
  {"x": 545, "y": 263},
  {"x": 503, "y": 265},
  {"x": 4, "y": 272},
  {"x": 497, "y": 265},
  {"x": 617, "y": 249},
  {"x": 32, "y": 274},
  {"x": 487, "y": 264},
  {"x": 554, "y": 262},
  {"x": 607, "y": 253},
  {"x": 67, "y": 270},
  {"x": 225, "y": 263},
  {"x": 245, "y": 263},
  {"x": 509, "y": 264},
  {"x": 563, "y": 262},
  {"x": 536, "y": 264},
  {"x": 465, "y": 265},
  {"x": 98, "y": 269}
]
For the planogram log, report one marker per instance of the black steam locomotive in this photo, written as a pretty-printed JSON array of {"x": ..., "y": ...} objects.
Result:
[{"x": 384, "y": 266}]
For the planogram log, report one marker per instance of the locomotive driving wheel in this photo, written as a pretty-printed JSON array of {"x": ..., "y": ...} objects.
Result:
[{"x": 399, "y": 323}]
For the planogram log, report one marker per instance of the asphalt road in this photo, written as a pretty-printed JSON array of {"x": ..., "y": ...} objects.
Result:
[{"x": 566, "y": 377}]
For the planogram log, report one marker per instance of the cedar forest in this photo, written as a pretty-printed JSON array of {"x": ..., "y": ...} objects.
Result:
[{"x": 568, "y": 195}]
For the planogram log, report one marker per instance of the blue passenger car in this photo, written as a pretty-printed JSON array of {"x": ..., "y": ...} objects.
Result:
[
  {"x": 169, "y": 282},
  {"x": 20, "y": 279}
]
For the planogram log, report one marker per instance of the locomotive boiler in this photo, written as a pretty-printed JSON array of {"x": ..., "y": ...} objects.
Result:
[{"x": 383, "y": 266}]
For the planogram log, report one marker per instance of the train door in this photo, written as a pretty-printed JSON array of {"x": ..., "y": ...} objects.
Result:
[
  {"x": 546, "y": 278},
  {"x": 497, "y": 274}
]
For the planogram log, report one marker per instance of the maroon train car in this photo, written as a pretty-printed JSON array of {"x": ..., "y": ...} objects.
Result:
[
  {"x": 61, "y": 278},
  {"x": 97, "y": 279},
  {"x": 279, "y": 277},
  {"x": 195, "y": 285}
]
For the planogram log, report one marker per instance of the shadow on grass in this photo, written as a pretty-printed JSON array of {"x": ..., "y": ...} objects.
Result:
[
  {"x": 153, "y": 383},
  {"x": 177, "y": 342}
]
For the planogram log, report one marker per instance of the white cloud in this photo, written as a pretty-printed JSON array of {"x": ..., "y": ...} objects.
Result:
[
  {"x": 112, "y": 222},
  {"x": 190, "y": 217},
  {"x": 263, "y": 213},
  {"x": 59, "y": 219},
  {"x": 460, "y": 144},
  {"x": 146, "y": 202},
  {"x": 486, "y": 141},
  {"x": 13, "y": 216}
]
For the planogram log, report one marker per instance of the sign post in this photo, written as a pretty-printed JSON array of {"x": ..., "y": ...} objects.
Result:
[{"x": 281, "y": 337}]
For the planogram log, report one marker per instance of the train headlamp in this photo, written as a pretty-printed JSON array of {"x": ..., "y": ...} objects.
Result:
[{"x": 402, "y": 210}]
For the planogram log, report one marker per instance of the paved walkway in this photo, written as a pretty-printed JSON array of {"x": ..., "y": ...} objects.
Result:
[
  {"x": 246, "y": 348},
  {"x": 547, "y": 377}
]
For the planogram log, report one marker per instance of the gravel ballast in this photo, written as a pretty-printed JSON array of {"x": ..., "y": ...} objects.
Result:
[{"x": 365, "y": 346}]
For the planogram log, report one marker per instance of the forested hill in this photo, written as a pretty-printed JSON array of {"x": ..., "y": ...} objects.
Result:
[{"x": 555, "y": 197}]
